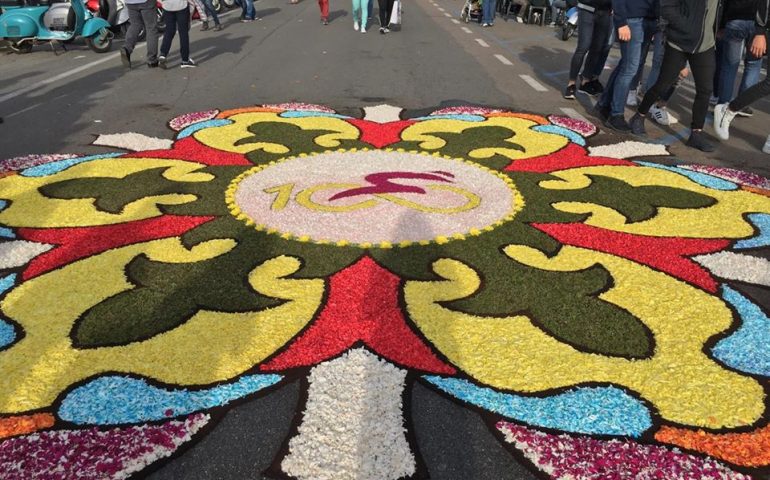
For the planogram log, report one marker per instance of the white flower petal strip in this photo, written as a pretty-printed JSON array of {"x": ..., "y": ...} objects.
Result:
[
  {"x": 16, "y": 253},
  {"x": 382, "y": 114},
  {"x": 133, "y": 141},
  {"x": 353, "y": 426},
  {"x": 629, "y": 150},
  {"x": 737, "y": 266}
]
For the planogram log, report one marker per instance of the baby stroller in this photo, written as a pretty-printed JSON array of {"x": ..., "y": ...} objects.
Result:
[{"x": 471, "y": 10}]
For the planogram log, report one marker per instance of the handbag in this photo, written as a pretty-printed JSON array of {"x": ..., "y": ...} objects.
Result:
[{"x": 395, "y": 15}]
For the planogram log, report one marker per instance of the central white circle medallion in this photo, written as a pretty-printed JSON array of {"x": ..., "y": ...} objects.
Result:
[{"x": 373, "y": 198}]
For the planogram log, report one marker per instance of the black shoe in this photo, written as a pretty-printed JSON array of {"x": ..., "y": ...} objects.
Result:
[
  {"x": 591, "y": 88},
  {"x": 205, "y": 26},
  {"x": 618, "y": 123},
  {"x": 569, "y": 92},
  {"x": 746, "y": 112},
  {"x": 699, "y": 141},
  {"x": 217, "y": 27},
  {"x": 125, "y": 57},
  {"x": 602, "y": 112},
  {"x": 637, "y": 125},
  {"x": 382, "y": 30},
  {"x": 189, "y": 63},
  {"x": 153, "y": 64}
]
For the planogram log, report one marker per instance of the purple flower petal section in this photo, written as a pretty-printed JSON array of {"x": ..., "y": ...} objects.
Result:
[
  {"x": 93, "y": 453},
  {"x": 738, "y": 176},
  {"x": 20, "y": 163},
  {"x": 586, "y": 458}
]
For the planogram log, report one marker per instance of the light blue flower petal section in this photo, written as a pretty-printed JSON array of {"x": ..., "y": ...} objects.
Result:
[
  {"x": 3, "y": 204},
  {"x": 564, "y": 132},
  {"x": 748, "y": 349},
  {"x": 115, "y": 399},
  {"x": 56, "y": 167},
  {"x": 7, "y": 332},
  {"x": 589, "y": 410},
  {"x": 762, "y": 222},
  {"x": 462, "y": 117},
  {"x": 700, "y": 178},
  {"x": 6, "y": 232},
  {"x": 307, "y": 114},
  {"x": 219, "y": 122}
]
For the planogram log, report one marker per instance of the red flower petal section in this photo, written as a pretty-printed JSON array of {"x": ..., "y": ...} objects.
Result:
[
  {"x": 362, "y": 306},
  {"x": 664, "y": 254},
  {"x": 192, "y": 150},
  {"x": 80, "y": 242},
  {"x": 571, "y": 156},
  {"x": 380, "y": 134}
]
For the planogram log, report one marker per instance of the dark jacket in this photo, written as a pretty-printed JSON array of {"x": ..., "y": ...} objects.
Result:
[
  {"x": 762, "y": 18},
  {"x": 686, "y": 22},
  {"x": 597, "y": 4},
  {"x": 625, "y": 9},
  {"x": 738, "y": 10}
]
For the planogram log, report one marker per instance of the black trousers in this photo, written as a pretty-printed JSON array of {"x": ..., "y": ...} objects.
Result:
[
  {"x": 386, "y": 8},
  {"x": 702, "y": 66},
  {"x": 752, "y": 94},
  {"x": 177, "y": 21}
]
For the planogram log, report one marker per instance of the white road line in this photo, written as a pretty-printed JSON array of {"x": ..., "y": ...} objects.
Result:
[
  {"x": 441, "y": 9},
  {"x": 482, "y": 43},
  {"x": 571, "y": 112},
  {"x": 533, "y": 83},
  {"x": 454, "y": 20},
  {"x": 75, "y": 71},
  {"x": 503, "y": 60},
  {"x": 24, "y": 110},
  {"x": 449, "y": 15},
  {"x": 467, "y": 30}
]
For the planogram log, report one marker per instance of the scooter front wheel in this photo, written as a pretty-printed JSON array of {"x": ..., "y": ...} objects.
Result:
[
  {"x": 22, "y": 47},
  {"x": 567, "y": 31},
  {"x": 101, "y": 42}
]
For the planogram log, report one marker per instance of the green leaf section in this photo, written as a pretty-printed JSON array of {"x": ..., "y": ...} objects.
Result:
[
  {"x": 295, "y": 138},
  {"x": 168, "y": 294},
  {"x": 112, "y": 195}
]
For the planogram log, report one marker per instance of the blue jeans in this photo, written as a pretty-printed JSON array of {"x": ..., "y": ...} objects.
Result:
[
  {"x": 594, "y": 31},
  {"x": 632, "y": 54},
  {"x": 738, "y": 35},
  {"x": 488, "y": 11},
  {"x": 248, "y": 9},
  {"x": 209, "y": 6}
]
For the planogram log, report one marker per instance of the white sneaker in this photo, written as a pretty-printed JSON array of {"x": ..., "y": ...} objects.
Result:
[
  {"x": 722, "y": 118},
  {"x": 363, "y": 29},
  {"x": 632, "y": 100},
  {"x": 766, "y": 148},
  {"x": 355, "y": 25},
  {"x": 660, "y": 115}
]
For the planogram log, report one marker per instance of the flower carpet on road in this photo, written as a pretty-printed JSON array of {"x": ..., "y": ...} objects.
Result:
[{"x": 592, "y": 306}]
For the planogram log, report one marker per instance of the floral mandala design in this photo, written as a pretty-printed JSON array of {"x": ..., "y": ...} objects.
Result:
[{"x": 588, "y": 305}]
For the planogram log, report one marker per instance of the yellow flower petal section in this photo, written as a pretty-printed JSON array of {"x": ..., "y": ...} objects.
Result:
[
  {"x": 210, "y": 347},
  {"x": 225, "y": 137},
  {"x": 511, "y": 353},
  {"x": 30, "y": 208},
  {"x": 724, "y": 219},
  {"x": 535, "y": 143}
]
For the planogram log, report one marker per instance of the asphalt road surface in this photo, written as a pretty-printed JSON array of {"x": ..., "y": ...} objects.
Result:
[{"x": 60, "y": 103}]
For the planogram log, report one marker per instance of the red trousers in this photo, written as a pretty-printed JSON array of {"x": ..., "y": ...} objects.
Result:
[{"x": 324, "y": 4}]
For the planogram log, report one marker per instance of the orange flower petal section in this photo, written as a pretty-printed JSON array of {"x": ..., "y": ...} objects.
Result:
[
  {"x": 235, "y": 111},
  {"x": 20, "y": 425},
  {"x": 760, "y": 191},
  {"x": 526, "y": 116},
  {"x": 748, "y": 449}
]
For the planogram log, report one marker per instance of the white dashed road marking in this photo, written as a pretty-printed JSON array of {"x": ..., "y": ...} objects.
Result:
[
  {"x": 503, "y": 60},
  {"x": 482, "y": 43},
  {"x": 454, "y": 20},
  {"x": 467, "y": 30},
  {"x": 571, "y": 112},
  {"x": 533, "y": 83}
]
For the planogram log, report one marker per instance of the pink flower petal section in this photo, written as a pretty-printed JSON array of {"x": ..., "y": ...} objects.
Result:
[
  {"x": 578, "y": 126},
  {"x": 183, "y": 121},
  {"x": 468, "y": 110},
  {"x": 586, "y": 458},
  {"x": 20, "y": 163},
  {"x": 93, "y": 453},
  {"x": 301, "y": 107},
  {"x": 737, "y": 176}
]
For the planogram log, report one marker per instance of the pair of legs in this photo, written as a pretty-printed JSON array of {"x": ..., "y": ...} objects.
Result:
[
  {"x": 488, "y": 12},
  {"x": 594, "y": 30},
  {"x": 177, "y": 21},
  {"x": 524, "y": 4},
  {"x": 556, "y": 5},
  {"x": 143, "y": 15},
  {"x": 737, "y": 36},
  {"x": 249, "y": 12},
  {"x": 324, "y": 6},
  {"x": 208, "y": 7},
  {"x": 360, "y": 13},
  {"x": 386, "y": 10},
  {"x": 633, "y": 54}
]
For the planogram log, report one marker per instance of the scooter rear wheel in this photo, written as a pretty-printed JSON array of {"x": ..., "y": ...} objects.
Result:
[
  {"x": 101, "y": 42},
  {"x": 567, "y": 31}
]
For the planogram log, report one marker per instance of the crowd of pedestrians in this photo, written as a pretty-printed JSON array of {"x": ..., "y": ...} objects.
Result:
[{"x": 707, "y": 39}]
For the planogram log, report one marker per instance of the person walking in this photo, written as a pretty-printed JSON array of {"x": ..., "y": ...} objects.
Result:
[
  {"x": 737, "y": 34},
  {"x": 594, "y": 31},
  {"x": 206, "y": 10},
  {"x": 360, "y": 14},
  {"x": 176, "y": 16},
  {"x": 725, "y": 113},
  {"x": 636, "y": 22},
  {"x": 141, "y": 16},
  {"x": 691, "y": 38},
  {"x": 488, "y": 12},
  {"x": 323, "y": 5},
  {"x": 249, "y": 13}
]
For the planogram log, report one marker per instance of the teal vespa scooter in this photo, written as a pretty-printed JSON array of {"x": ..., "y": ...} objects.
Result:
[{"x": 22, "y": 26}]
